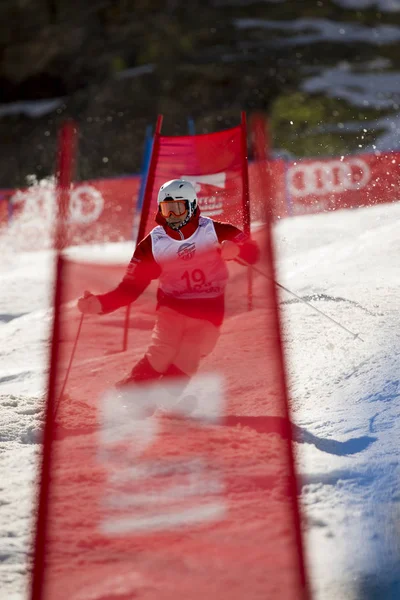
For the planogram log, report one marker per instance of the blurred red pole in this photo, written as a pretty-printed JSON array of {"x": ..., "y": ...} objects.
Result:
[
  {"x": 260, "y": 149},
  {"x": 64, "y": 172},
  {"x": 246, "y": 205},
  {"x": 64, "y": 176},
  {"x": 259, "y": 130},
  {"x": 245, "y": 176},
  {"x": 260, "y": 137}
]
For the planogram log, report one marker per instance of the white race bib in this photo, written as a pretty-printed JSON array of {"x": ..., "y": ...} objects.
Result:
[{"x": 191, "y": 268}]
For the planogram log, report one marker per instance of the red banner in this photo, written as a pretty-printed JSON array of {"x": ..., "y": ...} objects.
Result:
[
  {"x": 313, "y": 186},
  {"x": 194, "y": 500},
  {"x": 213, "y": 162},
  {"x": 103, "y": 210}
]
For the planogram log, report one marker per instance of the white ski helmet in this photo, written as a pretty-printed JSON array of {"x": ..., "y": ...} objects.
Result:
[{"x": 179, "y": 190}]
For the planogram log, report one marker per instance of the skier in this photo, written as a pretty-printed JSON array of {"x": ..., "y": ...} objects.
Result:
[{"x": 187, "y": 253}]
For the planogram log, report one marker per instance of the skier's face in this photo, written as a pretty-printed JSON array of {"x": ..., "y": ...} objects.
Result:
[{"x": 174, "y": 211}]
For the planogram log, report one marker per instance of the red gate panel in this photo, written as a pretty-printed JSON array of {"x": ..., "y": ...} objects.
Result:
[{"x": 194, "y": 500}]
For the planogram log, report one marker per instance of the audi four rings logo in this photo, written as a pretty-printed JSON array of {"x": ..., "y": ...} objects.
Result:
[
  {"x": 327, "y": 177},
  {"x": 86, "y": 204}
]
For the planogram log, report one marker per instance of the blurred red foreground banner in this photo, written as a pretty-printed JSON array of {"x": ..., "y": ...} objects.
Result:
[
  {"x": 154, "y": 492},
  {"x": 178, "y": 482}
]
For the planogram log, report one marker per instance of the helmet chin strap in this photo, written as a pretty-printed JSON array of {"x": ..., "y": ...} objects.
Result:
[
  {"x": 180, "y": 224},
  {"x": 174, "y": 226}
]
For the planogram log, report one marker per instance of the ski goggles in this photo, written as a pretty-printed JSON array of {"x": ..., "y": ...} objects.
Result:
[{"x": 174, "y": 207}]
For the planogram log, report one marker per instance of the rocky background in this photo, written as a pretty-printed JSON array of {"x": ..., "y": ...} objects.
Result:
[{"x": 113, "y": 65}]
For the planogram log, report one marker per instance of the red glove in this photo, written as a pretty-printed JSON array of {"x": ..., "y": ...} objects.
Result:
[{"x": 229, "y": 250}]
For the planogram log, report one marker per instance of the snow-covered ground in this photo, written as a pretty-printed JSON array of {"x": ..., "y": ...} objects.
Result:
[
  {"x": 345, "y": 395},
  {"x": 343, "y": 388}
]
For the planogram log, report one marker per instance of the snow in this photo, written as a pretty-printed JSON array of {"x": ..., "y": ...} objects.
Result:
[
  {"x": 345, "y": 394},
  {"x": 311, "y": 30},
  {"x": 380, "y": 90},
  {"x": 352, "y": 386},
  {"x": 31, "y": 108},
  {"x": 390, "y": 6},
  {"x": 372, "y": 84}
]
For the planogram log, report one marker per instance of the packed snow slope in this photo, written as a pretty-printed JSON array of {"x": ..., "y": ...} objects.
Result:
[{"x": 344, "y": 392}]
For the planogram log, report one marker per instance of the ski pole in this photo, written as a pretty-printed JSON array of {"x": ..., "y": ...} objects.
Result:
[
  {"x": 354, "y": 335},
  {"x": 69, "y": 364}
]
